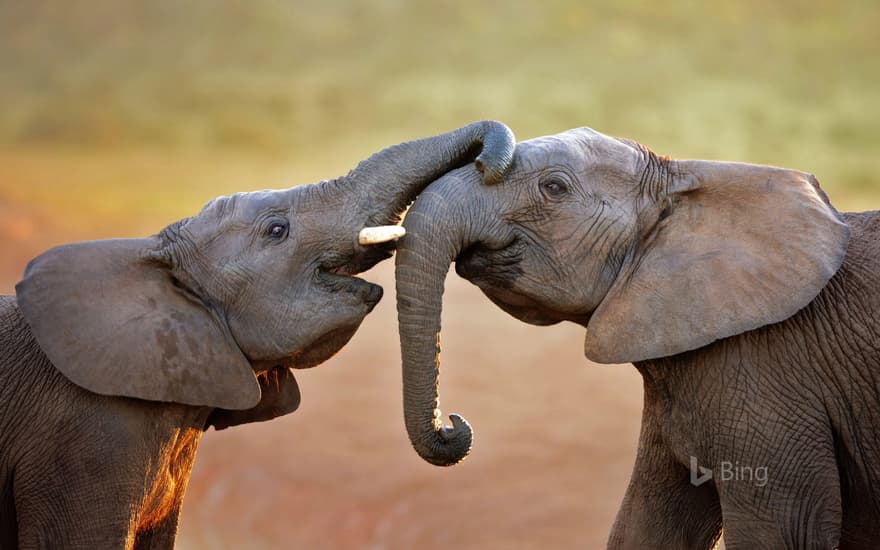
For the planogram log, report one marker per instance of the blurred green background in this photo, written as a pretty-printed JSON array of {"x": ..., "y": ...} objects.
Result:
[
  {"x": 198, "y": 98},
  {"x": 117, "y": 117},
  {"x": 787, "y": 82}
]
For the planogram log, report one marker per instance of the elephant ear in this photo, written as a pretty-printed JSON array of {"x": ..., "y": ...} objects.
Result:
[
  {"x": 279, "y": 396},
  {"x": 114, "y": 320},
  {"x": 738, "y": 247}
]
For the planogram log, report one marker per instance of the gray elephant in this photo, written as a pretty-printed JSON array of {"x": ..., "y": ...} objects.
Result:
[
  {"x": 115, "y": 356},
  {"x": 749, "y": 305}
]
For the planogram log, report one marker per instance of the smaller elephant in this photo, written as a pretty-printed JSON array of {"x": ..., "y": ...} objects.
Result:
[
  {"x": 116, "y": 355},
  {"x": 749, "y": 305}
]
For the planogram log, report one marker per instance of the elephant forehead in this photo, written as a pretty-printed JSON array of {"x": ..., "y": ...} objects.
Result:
[
  {"x": 540, "y": 153},
  {"x": 579, "y": 148},
  {"x": 247, "y": 206}
]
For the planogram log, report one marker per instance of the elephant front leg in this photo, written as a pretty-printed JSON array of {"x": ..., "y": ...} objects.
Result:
[
  {"x": 162, "y": 535},
  {"x": 662, "y": 508},
  {"x": 795, "y": 502},
  {"x": 52, "y": 519}
]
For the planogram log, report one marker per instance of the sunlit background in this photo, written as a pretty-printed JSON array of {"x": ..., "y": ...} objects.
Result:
[{"x": 118, "y": 117}]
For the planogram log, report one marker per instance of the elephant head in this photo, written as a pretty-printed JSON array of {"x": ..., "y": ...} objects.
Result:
[
  {"x": 214, "y": 309},
  {"x": 653, "y": 256}
]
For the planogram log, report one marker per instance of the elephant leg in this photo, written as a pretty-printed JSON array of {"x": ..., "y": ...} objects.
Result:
[
  {"x": 796, "y": 505},
  {"x": 72, "y": 504},
  {"x": 162, "y": 535},
  {"x": 46, "y": 523},
  {"x": 661, "y": 508},
  {"x": 8, "y": 518}
]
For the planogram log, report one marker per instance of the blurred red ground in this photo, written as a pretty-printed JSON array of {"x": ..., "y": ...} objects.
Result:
[{"x": 554, "y": 446}]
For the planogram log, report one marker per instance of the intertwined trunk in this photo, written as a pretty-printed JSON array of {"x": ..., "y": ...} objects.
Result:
[
  {"x": 383, "y": 185},
  {"x": 438, "y": 228}
]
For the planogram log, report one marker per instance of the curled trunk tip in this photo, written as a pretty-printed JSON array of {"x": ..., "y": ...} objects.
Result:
[
  {"x": 446, "y": 445},
  {"x": 496, "y": 157}
]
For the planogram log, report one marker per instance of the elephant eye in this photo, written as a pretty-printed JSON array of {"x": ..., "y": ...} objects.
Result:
[
  {"x": 554, "y": 187},
  {"x": 277, "y": 230}
]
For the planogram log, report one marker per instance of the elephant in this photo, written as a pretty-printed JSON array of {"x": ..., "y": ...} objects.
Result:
[
  {"x": 748, "y": 304},
  {"x": 116, "y": 355}
]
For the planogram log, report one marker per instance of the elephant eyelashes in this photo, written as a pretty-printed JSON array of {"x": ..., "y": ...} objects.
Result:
[{"x": 554, "y": 188}]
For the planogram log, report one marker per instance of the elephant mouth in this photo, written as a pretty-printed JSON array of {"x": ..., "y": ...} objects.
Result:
[
  {"x": 496, "y": 273},
  {"x": 339, "y": 274},
  {"x": 490, "y": 267},
  {"x": 335, "y": 280}
]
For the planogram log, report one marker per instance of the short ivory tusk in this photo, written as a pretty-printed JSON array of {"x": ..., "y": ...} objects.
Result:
[{"x": 381, "y": 234}]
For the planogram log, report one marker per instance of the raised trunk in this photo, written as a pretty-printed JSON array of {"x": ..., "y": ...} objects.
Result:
[
  {"x": 389, "y": 180},
  {"x": 437, "y": 230}
]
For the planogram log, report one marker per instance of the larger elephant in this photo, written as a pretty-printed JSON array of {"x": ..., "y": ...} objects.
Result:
[
  {"x": 115, "y": 356},
  {"x": 749, "y": 305}
]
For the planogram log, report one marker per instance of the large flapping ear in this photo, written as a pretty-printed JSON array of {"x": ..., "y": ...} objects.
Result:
[
  {"x": 742, "y": 246},
  {"x": 280, "y": 396},
  {"x": 112, "y": 318}
]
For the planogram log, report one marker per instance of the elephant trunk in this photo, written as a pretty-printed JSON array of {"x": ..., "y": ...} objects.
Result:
[
  {"x": 438, "y": 229},
  {"x": 387, "y": 182}
]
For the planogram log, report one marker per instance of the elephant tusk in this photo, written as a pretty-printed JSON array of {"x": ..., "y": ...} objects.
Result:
[{"x": 381, "y": 234}]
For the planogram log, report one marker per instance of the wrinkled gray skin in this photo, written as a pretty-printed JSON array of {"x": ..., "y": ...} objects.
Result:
[
  {"x": 116, "y": 355},
  {"x": 748, "y": 304}
]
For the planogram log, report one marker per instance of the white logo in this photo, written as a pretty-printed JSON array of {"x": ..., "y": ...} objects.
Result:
[
  {"x": 699, "y": 474},
  {"x": 729, "y": 471}
]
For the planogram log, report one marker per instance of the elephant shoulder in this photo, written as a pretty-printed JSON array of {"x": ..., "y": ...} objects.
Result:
[
  {"x": 861, "y": 265},
  {"x": 9, "y": 312},
  {"x": 865, "y": 235},
  {"x": 849, "y": 304},
  {"x": 28, "y": 379},
  {"x": 17, "y": 343}
]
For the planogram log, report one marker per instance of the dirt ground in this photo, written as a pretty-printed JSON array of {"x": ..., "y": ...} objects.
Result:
[{"x": 555, "y": 434}]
